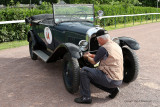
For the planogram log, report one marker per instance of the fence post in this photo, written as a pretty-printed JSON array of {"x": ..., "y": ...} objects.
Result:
[
  {"x": 152, "y": 18},
  {"x": 146, "y": 18},
  {"x": 124, "y": 21},
  {"x": 104, "y": 24},
  {"x": 115, "y": 22},
  {"x": 156, "y": 17},
  {"x": 141, "y": 19},
  {"x": 133, "y": 16},
  {"x": 133, "y": 20}
]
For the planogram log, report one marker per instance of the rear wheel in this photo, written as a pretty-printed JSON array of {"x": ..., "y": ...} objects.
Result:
[
  {"x": 71, "y": 73},
  {"x": 131, "y": 65},
  {"x": 32, "y": 55}
]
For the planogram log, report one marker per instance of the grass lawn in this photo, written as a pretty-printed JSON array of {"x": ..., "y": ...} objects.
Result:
[{"x": 13, "y": 44}]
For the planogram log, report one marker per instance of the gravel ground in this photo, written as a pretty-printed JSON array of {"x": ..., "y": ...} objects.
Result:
[{"x": 28, "y": 83}]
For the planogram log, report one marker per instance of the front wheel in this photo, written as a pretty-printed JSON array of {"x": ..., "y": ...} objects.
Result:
[
  {"x": 71, "y": 73},
  {"x": 131, "y": 65}
]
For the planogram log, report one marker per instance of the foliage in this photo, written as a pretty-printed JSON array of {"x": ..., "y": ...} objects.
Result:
[
  {"x": 11, "y": 32},
  {"x": 121, "y": 10},
  {"x": 151, "y": 3},
  {"x": 7, "y": 2},
  {"x": 45, "y": 6}
]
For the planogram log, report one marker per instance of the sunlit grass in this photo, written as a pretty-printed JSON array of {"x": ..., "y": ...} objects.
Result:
[{"x": 13, "y": 44}]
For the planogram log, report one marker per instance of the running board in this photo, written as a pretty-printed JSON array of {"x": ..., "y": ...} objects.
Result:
[{"x": 41, "y": 54}]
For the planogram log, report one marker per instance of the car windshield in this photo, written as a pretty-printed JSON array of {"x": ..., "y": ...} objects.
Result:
[{"x": 73, "y": 12}]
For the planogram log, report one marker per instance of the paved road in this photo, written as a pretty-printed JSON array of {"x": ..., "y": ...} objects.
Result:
[{"x": 27, "y": 83}]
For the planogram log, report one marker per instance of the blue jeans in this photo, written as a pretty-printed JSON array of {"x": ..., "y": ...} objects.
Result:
[{"x": 97, "y": 78}]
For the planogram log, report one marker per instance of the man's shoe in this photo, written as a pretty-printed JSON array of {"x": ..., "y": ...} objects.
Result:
[
  {"x": 114, "y": 93},
  {"x": 84, "y": 100}
]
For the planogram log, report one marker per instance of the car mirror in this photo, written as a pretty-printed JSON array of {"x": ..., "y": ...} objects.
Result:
[{"x": 100, "y": 13}]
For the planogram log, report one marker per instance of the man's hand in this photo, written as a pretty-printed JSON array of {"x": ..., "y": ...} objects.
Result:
[
  {"x": 87, "y": 54},
  {"x": 89, "y": 57}
]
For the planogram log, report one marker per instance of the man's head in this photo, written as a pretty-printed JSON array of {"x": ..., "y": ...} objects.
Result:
[{"x": 102, "y": 37}]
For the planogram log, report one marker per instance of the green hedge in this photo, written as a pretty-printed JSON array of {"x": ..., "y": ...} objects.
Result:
[
  {"x": 7, "y": 2},
  {"x": 120, "y": 10},
  {"x": 11, "y": 32}
]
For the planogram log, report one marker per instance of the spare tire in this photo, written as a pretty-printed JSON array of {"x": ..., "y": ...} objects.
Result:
[
  {"x": 131, "y": 65},
  {"x": 71, "y": 73}
]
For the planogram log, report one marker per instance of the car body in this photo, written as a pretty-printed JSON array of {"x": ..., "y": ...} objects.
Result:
[{"x": 67, "y": 34}]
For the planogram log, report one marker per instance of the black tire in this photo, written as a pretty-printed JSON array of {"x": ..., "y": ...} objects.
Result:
[
  {"x": 71, "y": 73},
  {"x": 32, "y": 55},
  {"x": 131, "y": 65}
]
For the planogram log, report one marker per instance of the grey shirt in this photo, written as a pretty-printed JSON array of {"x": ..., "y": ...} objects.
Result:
[{"x": 101, "y": 54}]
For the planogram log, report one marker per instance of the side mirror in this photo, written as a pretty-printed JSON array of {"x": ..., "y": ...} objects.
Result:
[{"x": 100, "y": 13}]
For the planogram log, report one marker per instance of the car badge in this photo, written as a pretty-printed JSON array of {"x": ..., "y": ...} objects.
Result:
[{"x": 48, "y": 35}]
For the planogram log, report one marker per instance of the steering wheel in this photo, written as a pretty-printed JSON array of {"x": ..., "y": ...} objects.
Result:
[{"x": 79, "y": 14}]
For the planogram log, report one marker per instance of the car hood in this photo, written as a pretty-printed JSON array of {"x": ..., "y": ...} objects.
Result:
[{"x": 77, "y": 27}]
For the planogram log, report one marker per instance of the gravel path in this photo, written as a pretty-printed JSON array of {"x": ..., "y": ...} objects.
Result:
[{"x": 28, "y": 83}]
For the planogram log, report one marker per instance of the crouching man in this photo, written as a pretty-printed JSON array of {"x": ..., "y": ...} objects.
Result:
[{"x": 109, "y": 74}]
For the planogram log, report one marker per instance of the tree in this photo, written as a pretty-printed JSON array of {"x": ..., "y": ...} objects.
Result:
[{"x": 151, "y": 3}]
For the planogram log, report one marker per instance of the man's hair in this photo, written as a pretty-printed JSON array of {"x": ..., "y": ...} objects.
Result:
[{"x": 105, "y": 36}]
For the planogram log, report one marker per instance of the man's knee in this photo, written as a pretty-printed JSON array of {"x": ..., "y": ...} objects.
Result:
[{"x": 83, "y": 70}]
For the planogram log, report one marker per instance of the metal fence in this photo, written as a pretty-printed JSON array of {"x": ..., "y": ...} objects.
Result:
[
  {"x": 11, "y": 22},
  {"x": 131, "y": 15}
]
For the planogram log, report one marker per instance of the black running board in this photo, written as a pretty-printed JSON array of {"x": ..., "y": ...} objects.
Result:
[{"x": 41, "y": 55}]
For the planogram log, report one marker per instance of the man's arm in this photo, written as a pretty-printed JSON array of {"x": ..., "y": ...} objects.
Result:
[
  {"x": 101, "y": 53},
  {"x": 93, "y": 59},
  {"x": 89, "y": 57}
]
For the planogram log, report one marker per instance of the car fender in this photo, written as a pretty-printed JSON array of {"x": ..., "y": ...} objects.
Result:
[
  {"x": 74, "y": 50},
  {"x": 62, "y": 49},
  {"x": 130, "y": 42},
  {"x": 31, "y": 34},
  {"x": 37, "y": 42}
]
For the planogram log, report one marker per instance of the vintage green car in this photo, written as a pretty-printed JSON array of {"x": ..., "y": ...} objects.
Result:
[{"x": 67, "y": 34}]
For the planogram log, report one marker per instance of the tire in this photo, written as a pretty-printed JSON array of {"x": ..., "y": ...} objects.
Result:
[
  {"x": 32, "y": 55},
  {"x": 131, "y": 65},
  {"x": 71, "y": 73}
]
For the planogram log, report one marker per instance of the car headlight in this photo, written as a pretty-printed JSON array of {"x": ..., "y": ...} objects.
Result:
[{"x": 83, "y": 44}]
